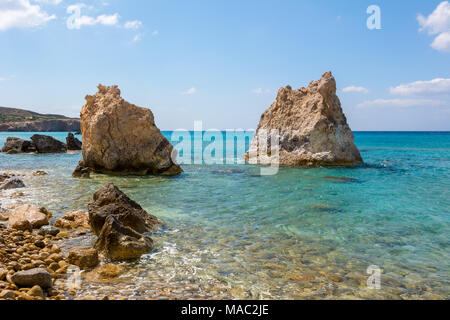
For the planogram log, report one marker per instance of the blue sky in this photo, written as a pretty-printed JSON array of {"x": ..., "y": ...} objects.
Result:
[{"x": 223, "y": 62}]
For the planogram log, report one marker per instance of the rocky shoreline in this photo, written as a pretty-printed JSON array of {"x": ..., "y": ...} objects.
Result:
[{"x": 37, "y": 261}]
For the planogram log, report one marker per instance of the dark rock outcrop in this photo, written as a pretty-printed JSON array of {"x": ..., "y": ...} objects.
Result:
[
  {"x": 119, "y": 242},
  {"x": 16, "y": 145},
  {"x": 122, "y": 138},
  {"x": 72, "y": 142},
  {"x": 12, "y": 183},
  {"x": 119, "y": 223},
  {"x": 109, "y": 200},
  {"x": 47, "y": 144}
]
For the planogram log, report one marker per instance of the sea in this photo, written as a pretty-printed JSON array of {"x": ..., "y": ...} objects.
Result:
[{"x": 380, "y": 230}]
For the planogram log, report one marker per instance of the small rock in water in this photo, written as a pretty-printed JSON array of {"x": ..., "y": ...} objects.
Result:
[
  {"x": 74, "y": 220},
  {"x": 32, "y": 277},
  {"x": 12, "y": 183},
  {"x": 83, "y": 257},
  {"x": 48, "y": 230},
  {"x": 40, "y": 173}
]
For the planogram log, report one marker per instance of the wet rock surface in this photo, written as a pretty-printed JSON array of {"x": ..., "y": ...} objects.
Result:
[{"x": 47, "y": 144}]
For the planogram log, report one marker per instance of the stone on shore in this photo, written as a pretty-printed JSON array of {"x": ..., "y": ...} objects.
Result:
[
  {"x": 47, "y": 144},
  {"x": 12, "y": 183},
  {"x": 32, "y": 277},
  {"x": 110, "y": 201},
  {"x": 311, "y": 125},
  {"x": 72, "y": 142},
  {"x": 81, "y": 172},
  {"x": 83, "y": 257},
  {"x": 48, "y": 230},
  {"x": 28, "y": 214},
  {"x": 119, "y": 242},
  {"x": 15, "y": 145},
  {"x": 78, "y": 219},
  {"x": 122, "y": 138}
]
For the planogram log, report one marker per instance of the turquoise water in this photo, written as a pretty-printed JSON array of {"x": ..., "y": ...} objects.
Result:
[{"x": 300, "y": 234}]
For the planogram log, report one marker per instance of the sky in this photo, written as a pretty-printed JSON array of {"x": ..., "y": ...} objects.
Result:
[{"x": 222, "y": 62}]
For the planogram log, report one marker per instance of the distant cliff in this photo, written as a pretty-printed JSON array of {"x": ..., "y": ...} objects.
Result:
[{"x": 18, "y": 120}]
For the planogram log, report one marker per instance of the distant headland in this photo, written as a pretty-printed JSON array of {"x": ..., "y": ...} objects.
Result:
[{"x": 19, "y": 120}]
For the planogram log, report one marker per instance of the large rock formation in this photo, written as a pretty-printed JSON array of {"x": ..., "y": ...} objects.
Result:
[
  {"x": 119, "y": 223},
  {"x": 121, "y": 138},
  {"x": 47, "y": 144},
  {"x": 73, "y": 143},
  {"x": 311, "y": 125}
]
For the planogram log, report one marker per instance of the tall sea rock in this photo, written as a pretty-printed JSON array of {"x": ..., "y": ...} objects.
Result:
[
  {"x": 121, "y": 138},
  {"x": 311, "y": 127}
]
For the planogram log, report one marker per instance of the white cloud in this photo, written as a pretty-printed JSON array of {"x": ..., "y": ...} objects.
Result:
[
  {"x": 355, "y": 89},
  {"x": 136, "y": 24},
  {"x": 137, "y": 38},
  {"x": 438, "y": 23},
  {"x": 155, "y": 33},
  {"x": 76, "y": 20},
  {"x": 190, "y": 91},
  {"x": 434, "y": 86},
  {"x": 401, "y": 103},
  {"x": 22, "y": 14},
  {"x": 54, "y": 2},
  {"x": 260, "y": 91}
]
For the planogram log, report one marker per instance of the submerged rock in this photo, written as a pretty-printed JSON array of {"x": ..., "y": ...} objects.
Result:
[
  {"x": 312, "y": 128},
  {"x": 48, "y": 230},
  {"x": 121, "y": 138},
  {"x": 110, "y": 201},
  {"x": 12, "y": 183},
  {"x": 47, "y": 144},
  {"x": 72, "y": 142}
]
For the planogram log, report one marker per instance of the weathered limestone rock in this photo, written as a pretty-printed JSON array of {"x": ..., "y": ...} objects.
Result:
[
  {"x": 78, "y": 219},
  {"x": 83, "y": 257},
  {"x": 121, "y": 138},
  {"x": 72, "y": 142},
  {"x": 35, "y": 216},
  {"x": 119, "y": 242},
  {"x": 33, "y": 277},
  {"x": 47, "y": 144},
  {"x": 110, "y": 201},
  {"x": 16, "y": 145},
  {"x": 312, "y": 127}
]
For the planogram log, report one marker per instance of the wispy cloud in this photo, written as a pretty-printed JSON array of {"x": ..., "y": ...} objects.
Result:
[
  {"x": 135, "y": 24},
  {"x": 355, "y": 89},
  {"x": 438, "y": 23},
  {"x": 76, "y": 20},
  {"x": 435, "y": 86},
  {"x": 192, "y": 90},
  {"x": 155, "y": 33},
  {"x": 54, "y": 2},
  {"x": 260, "y": 91},
  {"x": 22, "y": 14},
  {"x": 401, "y": 103}
]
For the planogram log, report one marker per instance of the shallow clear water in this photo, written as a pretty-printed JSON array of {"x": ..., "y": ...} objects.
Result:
[{"x": 300, "y": 234}]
